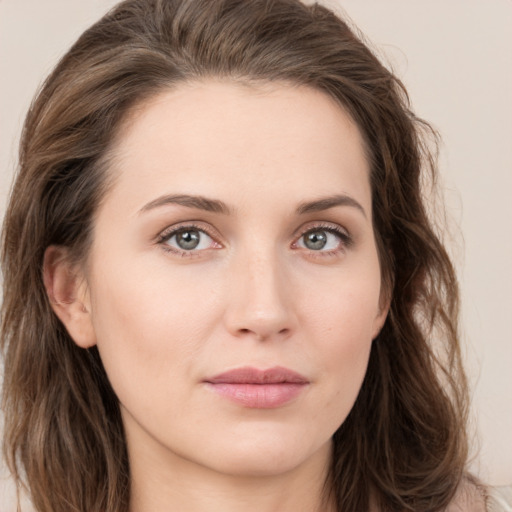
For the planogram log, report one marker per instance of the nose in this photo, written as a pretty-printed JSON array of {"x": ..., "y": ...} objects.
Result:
[{"x": 260, "y": 305}]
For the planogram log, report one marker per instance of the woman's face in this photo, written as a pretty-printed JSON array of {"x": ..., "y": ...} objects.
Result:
[{"x": 233, "y": 281}]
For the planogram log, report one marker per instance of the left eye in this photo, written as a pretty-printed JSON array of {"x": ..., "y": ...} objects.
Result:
[
  {"x": 189, "y": 239},
  {"x": 320, "y": 240}
]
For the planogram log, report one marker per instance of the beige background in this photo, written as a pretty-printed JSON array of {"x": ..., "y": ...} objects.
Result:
[{"x": 455, "y": 58}]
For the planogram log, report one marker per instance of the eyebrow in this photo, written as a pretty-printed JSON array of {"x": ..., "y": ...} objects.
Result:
[
  {"x": 198, "y": 202},
  {"x": 325, "y": 203},
  {"x": 216, "y": 206}
]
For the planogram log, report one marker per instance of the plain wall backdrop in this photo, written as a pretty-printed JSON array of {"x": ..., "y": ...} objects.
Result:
[{"x": 455, "y": 58}]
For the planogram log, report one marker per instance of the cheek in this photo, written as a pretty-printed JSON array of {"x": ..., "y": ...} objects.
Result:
[
  {"x": 148, "y": 328},
  {"x": 345, "y": 352},
  {"x": 344, "y": 308},
  {"x": 341, "y": 322}
]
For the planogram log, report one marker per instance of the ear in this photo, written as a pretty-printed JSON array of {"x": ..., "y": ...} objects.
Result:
[
  {"x": 382, "y": 314},
  {"x": 69, "y": 296}
]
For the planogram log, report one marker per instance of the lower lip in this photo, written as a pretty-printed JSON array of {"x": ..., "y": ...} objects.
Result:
[{"x": 259, "y": 396}]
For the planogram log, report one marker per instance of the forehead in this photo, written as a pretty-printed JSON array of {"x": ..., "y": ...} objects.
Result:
[{"x": 222, "y": 138}]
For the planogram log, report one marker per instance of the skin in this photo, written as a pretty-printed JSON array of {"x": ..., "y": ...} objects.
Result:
[{"x": 253, "y": 293}]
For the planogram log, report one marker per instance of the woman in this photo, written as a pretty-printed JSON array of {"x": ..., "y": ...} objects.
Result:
[{"x": 179, "y": 334}]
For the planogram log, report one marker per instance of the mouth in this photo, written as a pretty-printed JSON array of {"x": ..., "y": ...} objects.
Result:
[{"x": 259, "y": 389}]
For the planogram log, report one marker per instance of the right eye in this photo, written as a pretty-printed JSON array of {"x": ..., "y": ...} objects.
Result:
[{"x": 187, "y": 240}]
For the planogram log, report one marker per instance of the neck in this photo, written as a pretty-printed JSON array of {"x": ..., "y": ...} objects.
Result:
[{"x": 170, "y": 483}]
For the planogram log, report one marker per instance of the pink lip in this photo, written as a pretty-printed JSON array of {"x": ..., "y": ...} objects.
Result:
[{"x": 259, "y": 389}]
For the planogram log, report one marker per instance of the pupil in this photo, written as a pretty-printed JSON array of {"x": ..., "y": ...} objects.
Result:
[
  {"x": 315, "y": 240},
  {"x": 188, "y": 240}
]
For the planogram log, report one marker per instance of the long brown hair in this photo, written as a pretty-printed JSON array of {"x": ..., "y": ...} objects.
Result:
[{"x": 404, "y": 442}]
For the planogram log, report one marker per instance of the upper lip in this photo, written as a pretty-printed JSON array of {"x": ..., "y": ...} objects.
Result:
[{"x": 249, "y": 375}]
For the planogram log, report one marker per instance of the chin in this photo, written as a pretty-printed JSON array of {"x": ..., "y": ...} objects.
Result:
[{"x": 267, "y": 456}]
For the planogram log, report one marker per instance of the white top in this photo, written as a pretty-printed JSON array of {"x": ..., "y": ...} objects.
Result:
[{"x": 499, "y": 499}]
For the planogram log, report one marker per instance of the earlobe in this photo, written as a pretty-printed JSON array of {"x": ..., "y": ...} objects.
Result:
[
  {"x": 386, "y": 296},
  {"x": 67, "y": 291},
  {"x": 380, "y": 319}
]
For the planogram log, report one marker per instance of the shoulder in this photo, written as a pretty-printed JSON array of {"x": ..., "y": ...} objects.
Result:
[
  {"x": 499, "y": 499},
  {"x": 471, "y": 496}
]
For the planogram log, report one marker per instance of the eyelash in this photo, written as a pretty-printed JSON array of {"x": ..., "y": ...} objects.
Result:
[
  {"x": 345, "y": 238},
  {"x": 168, "y": 233}
]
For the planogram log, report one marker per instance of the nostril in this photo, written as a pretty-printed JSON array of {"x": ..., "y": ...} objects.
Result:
[{"x": 262, "y": 335}]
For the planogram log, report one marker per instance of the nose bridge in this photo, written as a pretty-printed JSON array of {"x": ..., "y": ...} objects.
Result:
[{"x": 259, "y": 303}]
